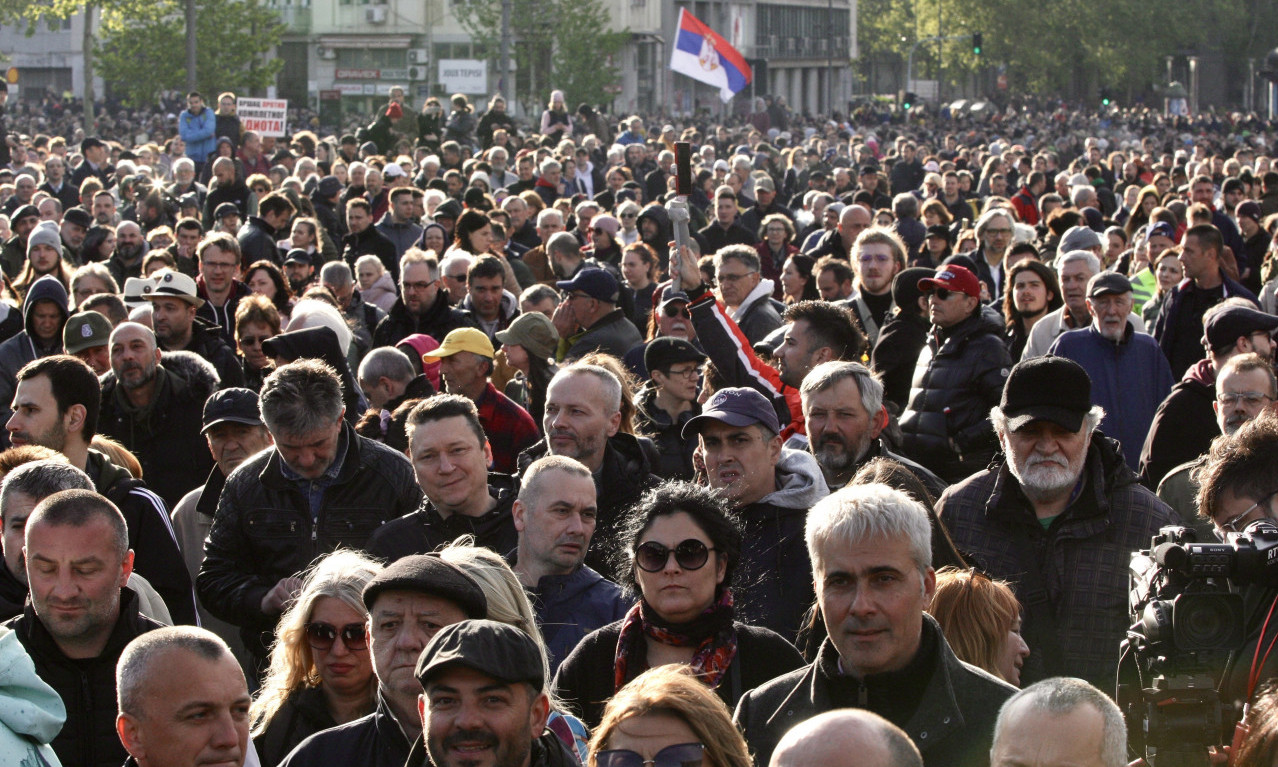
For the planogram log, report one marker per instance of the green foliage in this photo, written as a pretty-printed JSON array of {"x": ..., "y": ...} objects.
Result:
[
  {"x": 564, "y": 44},
  {"x": 142, "y": 54}
]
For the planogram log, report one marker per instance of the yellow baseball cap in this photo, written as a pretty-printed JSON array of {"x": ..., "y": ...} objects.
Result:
[{"x": 462, "y": 340}]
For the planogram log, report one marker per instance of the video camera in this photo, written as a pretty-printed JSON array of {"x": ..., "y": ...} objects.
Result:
[{"x": 1188, "y": 619}]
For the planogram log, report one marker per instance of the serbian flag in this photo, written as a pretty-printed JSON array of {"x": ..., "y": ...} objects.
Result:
[{"x": 703, "y": 55}]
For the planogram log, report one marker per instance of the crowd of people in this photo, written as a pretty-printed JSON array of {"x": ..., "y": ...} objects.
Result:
[{"x": 430, "y": 444}]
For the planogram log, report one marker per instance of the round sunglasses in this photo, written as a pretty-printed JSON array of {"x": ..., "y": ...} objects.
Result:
[
  {"x": 321, "y": 636},
  {"x": 691, "y": 554}
]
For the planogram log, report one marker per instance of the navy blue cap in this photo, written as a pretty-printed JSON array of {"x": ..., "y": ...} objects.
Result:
[
  {"x": 735, "y": 406},
  {"x": 1162, "y": 228},
  {"x": 596, "y": 283},
  {"x": 236, "y": 405}
]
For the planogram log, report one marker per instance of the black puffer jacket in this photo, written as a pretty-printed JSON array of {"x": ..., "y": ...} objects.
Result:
[
  {"x": 958, "y": 378},
  {"x": 86, "y": 686},
  {"x": 207, "y": 341},
  {"x": 165, "y": 436},
  {"x": 626, "y": 473},
  {"x": 263, "y": 530},
  {"x": 425, "y": 530}
]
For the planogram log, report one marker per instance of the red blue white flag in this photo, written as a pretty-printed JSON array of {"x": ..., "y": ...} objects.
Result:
[{"x": 703, "y": 55}]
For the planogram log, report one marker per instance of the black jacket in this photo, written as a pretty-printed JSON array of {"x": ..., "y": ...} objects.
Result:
[
  {"x": 613, "y": 334},
  {"x": 208, "y": 342},
  {"x": 371, "y": 242},
  {"x": 958, "y": 378},
  {"x": 303, "y": 714},
  {"x": 156, "y": 555},
  {"x": 425, "y": 530},
  {"x": 676, "y": 452},
  {"x": 164, "y": 436},
  {"x": 585, "y": 680},
  {"x": 952, "y": 725},
  {"x": 257, "y": 243},
  {"x": 87, "y": 687},
  {"x": 236, "y": 193},
  {"x": 1183, "y": 426},
  {"x": 625, "y": 474},
  {"x": 263, "y": 530},
  {"x": 13, "y": 594},
  {"x": 439, "y": 320},
  {"x": 715, "y": 236},
  {"x": 373, "y": 741}
]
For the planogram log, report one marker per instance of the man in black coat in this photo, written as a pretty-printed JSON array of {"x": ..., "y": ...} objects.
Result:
[
  {"x": 883, "y": 653},
  {"x": 259, "y": 234},
  {"x": 175, "y": 303},
  {"x": 322, "y": 486},
  {"x": 422, "y": 307},
  {"x": 366, "y": 239},
  {"x": 76, "y": 637},
  {"x": 460, "y": 496}
]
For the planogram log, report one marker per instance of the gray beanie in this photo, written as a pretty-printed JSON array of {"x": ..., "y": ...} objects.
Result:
[{"x": 46, "y": 233}]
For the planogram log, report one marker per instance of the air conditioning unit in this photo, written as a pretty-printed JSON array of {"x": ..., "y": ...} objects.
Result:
[
  {"x": 375, "y": 14},
  {"x": 326, "y": 53},
  {"x": 418, "y": 56},
  {"x": 418, "y": 72}
]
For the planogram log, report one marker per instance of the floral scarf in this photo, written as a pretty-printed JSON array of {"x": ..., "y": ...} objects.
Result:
[{"x": 711, "y": 633}]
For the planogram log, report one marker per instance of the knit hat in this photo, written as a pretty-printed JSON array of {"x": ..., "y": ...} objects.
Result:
[{"x": 45, "y": 233}]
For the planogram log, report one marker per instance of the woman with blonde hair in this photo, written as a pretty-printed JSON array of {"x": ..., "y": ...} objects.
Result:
[
  {"x": 508, "y": 603},
  {"x": 666, "y": 716},
  {"x": 321, "y": 672},
  {"x": 981, "y": 619}
]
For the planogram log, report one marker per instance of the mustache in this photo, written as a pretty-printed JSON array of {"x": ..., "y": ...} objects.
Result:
[
  {"x": 482, "y": 737},
  {"x": 1051, "y": 460}
]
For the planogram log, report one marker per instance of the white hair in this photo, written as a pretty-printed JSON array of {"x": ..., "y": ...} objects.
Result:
[
  {"x": 854, "y": 514},
  {"x": 312, "y": 313},
  {"x": 1063, "y": 695}
]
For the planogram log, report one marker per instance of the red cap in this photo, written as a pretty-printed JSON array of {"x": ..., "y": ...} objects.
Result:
[
  {"x": 952, "y": 277},
  {"x": 394, "y": 111}
]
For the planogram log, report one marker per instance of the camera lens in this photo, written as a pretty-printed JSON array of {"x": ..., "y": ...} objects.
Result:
[{"x": 1207, "y": 621}]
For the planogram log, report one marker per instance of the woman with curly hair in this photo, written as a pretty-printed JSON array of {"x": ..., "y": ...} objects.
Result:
[{"x": 321, "y": 672}]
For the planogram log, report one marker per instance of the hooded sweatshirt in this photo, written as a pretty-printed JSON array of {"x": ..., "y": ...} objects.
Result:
[
  {"x": 774, "y": 577},
  {"x": 31, "y": 713},
  {"x": 321, "y": 343},
  {"x": 25, "y": 346}
]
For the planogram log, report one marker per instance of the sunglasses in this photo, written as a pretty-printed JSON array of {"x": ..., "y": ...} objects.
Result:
[
  {"x": 322, "y": 635},
  {"x": 252, "y": 340},
  {"x": 691, "y": 554},
  {"x": 943, "y": 294},
  {"x": 679, "y": 755},
  {"x": 676, "y": 311}
]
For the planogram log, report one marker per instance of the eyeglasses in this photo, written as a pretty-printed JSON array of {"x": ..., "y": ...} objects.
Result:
[
  {"x": 1232, "y": 525},
  {"x": 678, "y": 755},
  {"x": 691, "y": 554},
  {"x": 321, "y": 636},
  {"x": 630, "y": 215},
  {"x": 999, "y": 232},
  {"x": 672, "y": 310},
  {"x": 220, "y": 266},
  {"x": 252, "y": 340},
  {"x": 734, "y": 277},
  {"x": 1250, "y": 398},
  {"x": 687, "y": 373},
  {"x": 415, "y": 285},
  {"x": 576, "y": 296}
]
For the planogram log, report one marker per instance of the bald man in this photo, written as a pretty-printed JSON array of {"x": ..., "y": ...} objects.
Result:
[
  {"x": 838, "y": 242},
  {"x": 182, "y": 700},
  {"x": 846, "y": 738}
]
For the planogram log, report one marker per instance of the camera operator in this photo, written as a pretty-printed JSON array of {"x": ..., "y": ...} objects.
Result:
[{"x": 1238, "y": 484}]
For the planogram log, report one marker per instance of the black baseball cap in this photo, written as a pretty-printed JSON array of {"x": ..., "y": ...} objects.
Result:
[
  {"x": 1050, "y": 388},
  {"x": 233, "y": 405},
  {"x": 1108, "y": 284},
  {"x": 498, "y": 650},
  {"x": 664, "y": 351},
  {"x": 226, "y": 209},
  {"x": 297, "y": 255}
]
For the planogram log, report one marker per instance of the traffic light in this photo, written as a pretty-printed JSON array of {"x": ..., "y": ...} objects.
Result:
[
  {"x": 1105, "y": 97},
  {"x": 910, "y": 100},
  {"x": 976, "y": 43}
]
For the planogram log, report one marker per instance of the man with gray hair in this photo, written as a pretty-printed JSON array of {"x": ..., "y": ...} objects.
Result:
[
  {"x": 746, "y": 295},
  {"x": 423, "y": 305},
  {"x": 1075, "y": 269},
  {"x": 388, "y": 379},
  {"x": 1059, "y": 721},
  {"x": 1057, "y": 515},
  {"x": 846, "y": 738},
  {"x": 555, "y": 517},
  {"x": 994, "y": 231},
  {"x": 361, "y": 315},
  {"x": 164, "y": 674},
  {"x": 907, "y": 226},
  {"x": 320, "y": 487},
  {"x": 871, "y": 555}
]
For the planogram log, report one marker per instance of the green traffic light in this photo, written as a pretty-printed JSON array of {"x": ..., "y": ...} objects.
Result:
[{"x": 976, "y": 43}]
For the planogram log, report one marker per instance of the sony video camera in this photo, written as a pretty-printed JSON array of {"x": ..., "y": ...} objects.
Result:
[{"x": 1188, "y": 619}]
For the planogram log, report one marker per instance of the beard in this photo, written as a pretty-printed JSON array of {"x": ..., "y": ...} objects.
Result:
[
  {"x": 835, "y": 455},
  {"x": 1043, "y": 476}
]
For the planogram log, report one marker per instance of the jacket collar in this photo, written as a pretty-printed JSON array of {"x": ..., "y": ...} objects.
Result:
[{"x": 272, "y": 474}]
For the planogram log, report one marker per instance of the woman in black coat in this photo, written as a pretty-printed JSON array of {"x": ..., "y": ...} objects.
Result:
[{"x": 681, "y": 548}]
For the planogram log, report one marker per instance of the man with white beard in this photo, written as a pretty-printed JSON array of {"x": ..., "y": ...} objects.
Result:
[{"x": 1057, "y": 514}]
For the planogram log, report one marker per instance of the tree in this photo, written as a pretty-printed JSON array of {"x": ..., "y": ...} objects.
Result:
[
  {"x": 564, "y": 44},
  {"x": 140, "y": 55}
]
